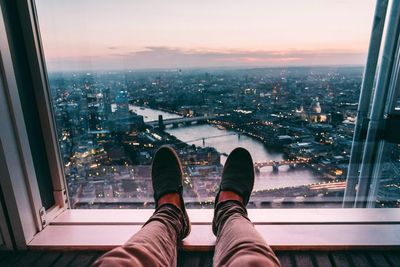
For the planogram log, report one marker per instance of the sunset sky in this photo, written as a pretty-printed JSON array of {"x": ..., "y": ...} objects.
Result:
[{"x": 133, "y": 34}]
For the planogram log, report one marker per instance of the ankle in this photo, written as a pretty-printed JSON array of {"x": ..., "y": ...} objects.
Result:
[
  {"x": 229, "y": 195},
  {"x": 172, "y": 198}
]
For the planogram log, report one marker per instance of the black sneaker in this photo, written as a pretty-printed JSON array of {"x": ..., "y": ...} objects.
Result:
[
  {"x": 166, "y": 174},
  {"x": 238, "y": 174}
]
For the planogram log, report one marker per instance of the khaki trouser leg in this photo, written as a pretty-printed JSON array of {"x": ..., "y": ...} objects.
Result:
[
  {"x": 154, "y": 245},
  {"x": 238, "y": 243}
]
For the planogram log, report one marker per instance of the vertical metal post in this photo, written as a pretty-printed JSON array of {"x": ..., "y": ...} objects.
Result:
[
  {"x": 364, "y": 102},
  {"x": 394, "y": 89},
  {"x": 377, "y": 121}
]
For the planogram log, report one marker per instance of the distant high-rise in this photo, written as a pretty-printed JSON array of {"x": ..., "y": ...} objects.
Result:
[
  {"x": 121, "y": 112},
  {"x": 96, "y": 115}
]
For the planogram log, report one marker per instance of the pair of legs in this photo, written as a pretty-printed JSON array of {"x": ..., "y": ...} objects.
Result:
[{"x": 238, "y": 243}]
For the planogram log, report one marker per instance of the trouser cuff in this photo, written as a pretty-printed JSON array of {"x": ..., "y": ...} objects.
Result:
[{"x": 224, "y": 210}]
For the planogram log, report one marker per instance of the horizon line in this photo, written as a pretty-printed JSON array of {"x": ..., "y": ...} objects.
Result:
[{"x": 249, "y": 67}]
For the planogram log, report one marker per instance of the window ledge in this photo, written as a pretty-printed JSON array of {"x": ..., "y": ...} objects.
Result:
[{"x": 283, "y": 229}]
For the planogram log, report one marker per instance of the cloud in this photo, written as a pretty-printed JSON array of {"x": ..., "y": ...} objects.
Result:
[
  {"x": 166, "y": 55},
  {"x": 112, "y": 47},
  {"x": 170, "y": 57}
]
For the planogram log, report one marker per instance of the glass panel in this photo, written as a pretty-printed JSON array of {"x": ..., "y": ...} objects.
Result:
[
  {"x": 280, "y": 78},
  {"x": 397, "y": 105},
  {"x": 388, "y": 193}
]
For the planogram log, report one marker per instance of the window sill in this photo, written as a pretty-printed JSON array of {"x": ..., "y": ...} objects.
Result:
[{"x": 283, "y": 229}]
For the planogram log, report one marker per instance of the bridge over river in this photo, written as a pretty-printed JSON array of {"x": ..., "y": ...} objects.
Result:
[
  {"x": 275, "y": 164},
  {"x": 180, "y": 121}
]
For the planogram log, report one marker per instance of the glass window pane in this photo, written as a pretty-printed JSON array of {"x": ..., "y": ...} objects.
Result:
[
  {"x": 397, "y": 105},
  {"x": 388, "y": 184},
  {"x": 280, "y": 78}
]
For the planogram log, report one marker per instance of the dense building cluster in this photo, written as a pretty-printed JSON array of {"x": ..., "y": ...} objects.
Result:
[{"x": 306, "y": 113}]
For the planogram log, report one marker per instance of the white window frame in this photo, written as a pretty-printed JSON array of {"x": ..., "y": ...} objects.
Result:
[
  {"x": 17, "y": 177},
  {"x": 61, "y": 227}
]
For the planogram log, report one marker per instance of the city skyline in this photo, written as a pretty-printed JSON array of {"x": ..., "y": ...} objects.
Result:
[
  {"x": 83, "y": 35},
  {"x": 297, "y": 123}
]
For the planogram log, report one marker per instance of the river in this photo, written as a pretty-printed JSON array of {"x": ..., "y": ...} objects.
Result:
[{"x": 266, "y": 179}]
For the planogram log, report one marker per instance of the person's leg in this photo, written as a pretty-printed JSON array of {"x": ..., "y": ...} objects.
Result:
[
  {"x": 238, "y": 243},
  {"x": 156, "y": 243}
]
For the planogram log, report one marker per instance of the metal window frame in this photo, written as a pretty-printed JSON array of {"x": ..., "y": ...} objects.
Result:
[
  {"x": 37, "y": 66},
  {"x": 372, "y": 152},
  {"x": 364, "y": 102},
  {"x": 23, "y": 207},
  {"x": 17, "y": 176},
  {"x": 374, "y": 116},
  {"x": 390, "y": 121}
]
